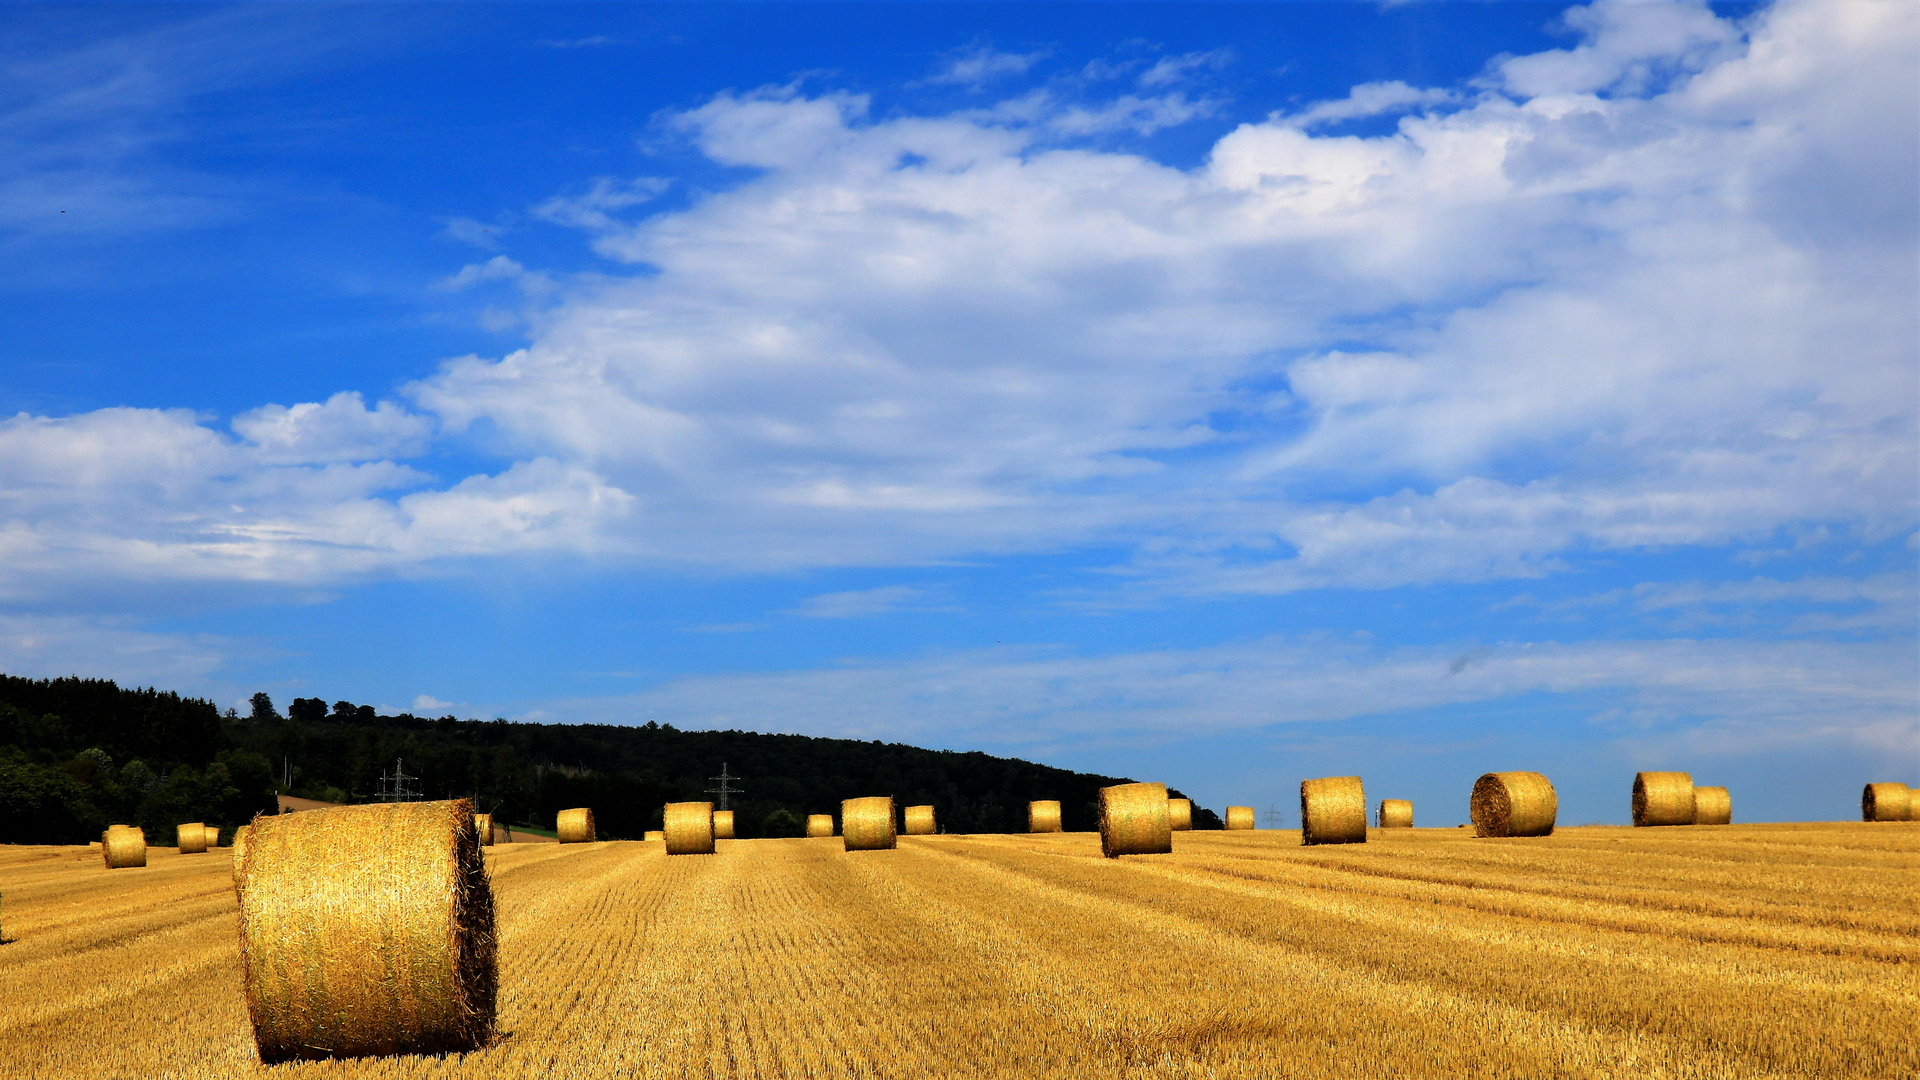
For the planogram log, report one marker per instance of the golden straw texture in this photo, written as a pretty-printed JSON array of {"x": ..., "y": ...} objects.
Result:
[
  {"x": 1513, "y": 804},
  {"x": 867, "y": 824},
  {"x": 1180, "y": 815},
  {"x": 723, "y": 824},
  {"x": 368, "y": 930},
  {"x": 1712, "y": 806},
  {"x": 1043, "y": 815},
  {"x": 483, "y": 827},
  {"x": 575, "y": 826},
  {"x": 689, "y": 828},
  {"x": 1133, "y": 820},
  {"x": 123, "y": 846},
  {"x": 240, "y": 837},
  {"x": 191, "y": 838},
  {"x": 1240, "y": 817},
  {"x": 1662, "y": 798},
  {"x": 655, "y": 834},
  {"x": 918, "y": 821},
  {"x": 210, "y": 835},
  {"x": 1886, "y": 802},
  {"x": 819, "y": 824},
  {"x": 1333, "y": 810},
  {"x": 1396, "y": 814}
]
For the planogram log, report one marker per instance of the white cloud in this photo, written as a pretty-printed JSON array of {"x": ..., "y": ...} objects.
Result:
[
  {"x": 861, "y": 603},
  {"x": 1169, "y": 70},
  {"x": 978, "y": 65},
  {"x": 498, "y": 268},
  {"x": 54, "y": 646},
  {"x": 1370, "y": 99},
  {"x": 341, "y": 429}
]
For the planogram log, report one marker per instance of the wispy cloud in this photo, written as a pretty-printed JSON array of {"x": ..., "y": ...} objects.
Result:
[
  {"x": 980, "y": 64},
  {"x": 863, "y": 603}
]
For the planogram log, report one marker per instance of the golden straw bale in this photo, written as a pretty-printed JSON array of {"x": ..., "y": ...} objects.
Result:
[
  {"x": 1513, "y": 804},
  {"x": 241, "y": 836},
  {"x": 211, "y": 834},
  {"x": 1396, "y": 814},
  {"x": 191, "y": 838},
  {"x": 1180, "y": 815},
  {"x": 1043, "y": 815},
  {"x": 368, "y": 930},
  {"x": 1662, "y": 798},
  {"x": 918, "y": 820},
  {"x": 1239, "y": 818},
  {"x": 575, "y": 826},
  {"x": 1886, "y": 802},
  {"x": 867, "y": 824},
  {"x": 123, "y": 846},
  {"x": 819, "y": 824},
  {"x": 1133, "y": 820},
  {"x": 1712, "y": 806},
  {"x": 1333, "y": 810},
  {"x": 655, "y": 834},
  {"x": 483, "y": 827},
  {"x": 689, "y": 828},
  {"x": 723, "y": 824}
]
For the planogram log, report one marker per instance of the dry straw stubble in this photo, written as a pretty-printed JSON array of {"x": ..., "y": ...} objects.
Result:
[
  {"x": 1133, "y": 820},
  {"x": 1513, "y": 804},
  {"x": 575, "y": 826},
  {"x": 122, "y": 846},
  {"x": 867, "y": 824},
  {"x": 1396, "y": 814},
  {"x": 1712, "y": 806},
  {"x": 918, "y": 821},
  {"x": 1043, "y": 815},
  {"x": 1886, "y": 802},
  {"x": 1240, "y": 817},
  {"x": 689, "y": 828},
  {"x": 723, "y": 824},
  {"x": 368, "y": 930},
  {"x": 1662, "y": 798},
  {"x": 819, "y": 824},
  {"x": 1333, "y": 810}
]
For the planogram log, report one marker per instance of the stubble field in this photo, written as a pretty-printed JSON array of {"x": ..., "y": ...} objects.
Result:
[{"x": 1738, "y": 951}]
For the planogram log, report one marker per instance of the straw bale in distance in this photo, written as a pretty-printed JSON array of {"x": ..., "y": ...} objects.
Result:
[
  {"x": 819, "y": 824},
  {"x": 1239, "y": 818},
  {"x": 723, "y": 824},
  {"x": 867, "y": 824},
  {"x": 1180, "y": 815},
  {"x": 1396, "y": 813},
  {"x": 191, "y": 838},
  {"x": 122, "y": 846},
  {"x": 689, "y": 828},
  {"x": 575, "y": 826},
  {"x": 1043, "y": 815},
  {"x": 483, "y": 827},
  {"x": 1134, "y": 821},
  {"x": 1333, "y": 810},
  {"x": 1886, "y": 802},
  {"x": 368, "y": 930},
  {"x": 1513, "y": 804},
  {"x": 655, "y": 834},
  {"x": 1712, "y": 806},
  {"x": 918, "y": 820},
  {"x": 210, "y": 834},
  {"x": 1662, "y": 798}
]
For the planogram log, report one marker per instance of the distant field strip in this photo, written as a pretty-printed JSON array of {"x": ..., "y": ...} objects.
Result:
[{"x": 1697, "y": 952}]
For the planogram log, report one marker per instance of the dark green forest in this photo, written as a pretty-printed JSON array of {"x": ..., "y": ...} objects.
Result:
[{"x": 78, "y": 754}]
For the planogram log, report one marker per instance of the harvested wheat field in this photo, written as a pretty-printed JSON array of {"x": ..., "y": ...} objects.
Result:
[{"x": 1728, "y": 951}]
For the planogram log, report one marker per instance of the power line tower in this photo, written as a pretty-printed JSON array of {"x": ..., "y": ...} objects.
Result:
[
  {"x": 397, "y": 786},
  {"x": 1274, "y": 817},
  {"x": 724, "y": 789}
]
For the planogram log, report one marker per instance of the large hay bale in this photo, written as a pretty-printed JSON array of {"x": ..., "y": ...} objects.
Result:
[
  {"x": 918, "y": 821},
  {"x": 1133, "y": 820},
  {"x": 689, "y": 828},
  {"x": 211, "y": 834},
  {"x": 723, "y": 824},
  {"x": 191, "y": 838},
  {"x": 1043, "y": 815},
  {"x": 1662, "y": 798},
  {"x": 867, "y": 824},
  {"x": 655, "y": 834},
  {"x": 122, "y": 846},
  {"x": 819, "y": 824},
  {"x": 1396, "y": 814},
  {"x": 1180, "y": 815},
  {"x": 575, "y": 826},
  {"x": 368, "y": 930},
  {"x": 483, "y": 827},
  {"x": 1712, "y": 806},
  {"x": 1886, "y": 802},
  {"x": 241, "y": 837},
  {"x": 1239, "y": 818},
  {"x": 1513, "y": 804},
  {"x": 1333, "y": 810}
]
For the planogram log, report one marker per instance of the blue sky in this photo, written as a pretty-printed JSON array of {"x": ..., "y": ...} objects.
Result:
[{"x": 1218, "y": 394}]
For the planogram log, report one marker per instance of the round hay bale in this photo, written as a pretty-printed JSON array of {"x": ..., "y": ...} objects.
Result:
[
  {"x": 1712, "y": 806},
  {"x": 1886, "y": 802},
  {"x": 212, "y": 835},
  {"x": 689, "y": 828},
  {"x": 1513, "y": 804},
  {"x": 1333, "y": 810},
  {"x": 867, "y": 824},
  {"x": 483, "y": 827},
  {"x": 241, "y": 836},
  {"x": 1396, "y": 814},
  {"x": 1180, "y": 815},
  {"x": 655, "y": 834},
  {"x": 575, "y": 826},
  {"x": 123, "y": 846},
  {"x": 1043, "y": 815},
  {"x": 723, "y": 824},
  {"x": 191, "y": 838},
  {"x": 1662, "y": 798},
  {"x": 918, "y": 821},
  {"x": 819, "y": 824},
  {"x": 368, "y": 930},
  {"x": 1134, "y": 821},
  {"x": 1240, "y": 817}
]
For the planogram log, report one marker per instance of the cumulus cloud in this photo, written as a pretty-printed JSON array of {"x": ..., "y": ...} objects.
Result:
[{"x": 340, "y": 429}]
